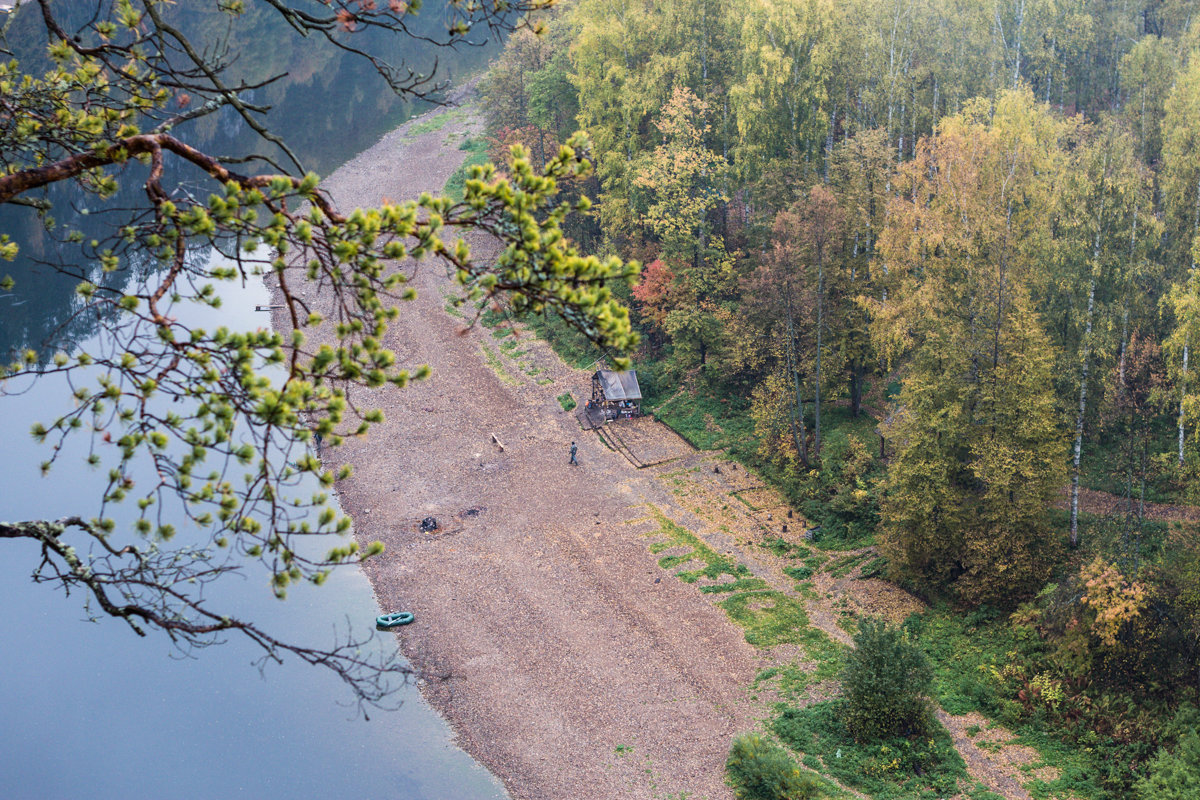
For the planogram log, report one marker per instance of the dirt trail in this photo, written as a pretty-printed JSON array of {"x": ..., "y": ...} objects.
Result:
[
  {"x": 566, "y": 660},
  {"x": 1105, "y": 504}
]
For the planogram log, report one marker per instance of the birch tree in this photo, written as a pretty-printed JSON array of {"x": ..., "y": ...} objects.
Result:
[{"x": 1180, "y": 184}]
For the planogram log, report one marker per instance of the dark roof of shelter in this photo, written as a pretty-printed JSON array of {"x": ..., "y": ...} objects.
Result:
[{"x": 619, "y": 385}]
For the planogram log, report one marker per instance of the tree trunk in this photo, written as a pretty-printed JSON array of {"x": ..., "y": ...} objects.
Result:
[
  {"x": 856, "y": 387},
  {"x": 820, "y": 323},
  {"x": 797, "y": 403},
  {"x": 1182, "y": 394},
  {"x": 829, "y": 143},
  {"x": 1083, "y": 380}
]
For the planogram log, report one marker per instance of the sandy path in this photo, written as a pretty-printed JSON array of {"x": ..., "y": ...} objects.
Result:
[{"x": 555, "y": 644}]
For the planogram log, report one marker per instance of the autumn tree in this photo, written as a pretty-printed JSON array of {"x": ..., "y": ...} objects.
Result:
[
  {"x": 1134, "y": 397},
  {"x": 1104, "y": 230},
  {"x": 774, "y": 295},
  {"x": 1180, "y": 183},
  {"x": 123, "y": 83},
  {"x": 978, "y": 455},
  {"x": 682, "y": 180},
  {"x": 778, "y": 94},
  {"x": 630, "y": 57}
]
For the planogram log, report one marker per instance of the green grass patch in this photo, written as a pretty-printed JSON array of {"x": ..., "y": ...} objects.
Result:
[
  {"x": 493, "y": 317},
  {"x": 709, "y": 422},
  {"x": 874, "y": 568},
  {"x": 771, "y": 618},
  {"x": 785, "y": 549},
  {"x": 740, "y": 585},
  {"x": 675, "y": 535},
  {"x": 493, "y": 361},
  {"x": 456, "y": 184},
  {"x": 925, "y": 769},
  {"x": 568, "y": 343},
  {"x": 792, "y": 682},
  {"x": 798, "y": 573},
  {"x": 566, "y": 401},
  {"x": 453, "y": 305},
  {"x": 969, "y": 652},
  {"x": 433, "y": 121}
]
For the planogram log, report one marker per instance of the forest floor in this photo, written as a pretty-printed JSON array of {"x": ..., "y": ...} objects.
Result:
[
  {"x": 1104, "y": 504},
  {"x": 589, "y": 632}
]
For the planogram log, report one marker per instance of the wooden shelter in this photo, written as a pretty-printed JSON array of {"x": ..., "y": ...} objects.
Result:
[{"x": 615, "y": 395}]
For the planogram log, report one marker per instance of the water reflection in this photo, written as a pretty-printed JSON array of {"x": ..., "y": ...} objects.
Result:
[
  {"x": 328, "y": 106},
  {"x": 92, "y": 710}
]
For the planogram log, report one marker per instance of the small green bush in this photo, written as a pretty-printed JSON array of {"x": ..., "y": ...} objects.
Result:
[
  {"x": 798, "y": 573},
  {"x": 760, "y": 770},
  {"x": 1173, "y": 776},
  {"x": 886, "y": 680},
  {"x": 566, "y": 401}
]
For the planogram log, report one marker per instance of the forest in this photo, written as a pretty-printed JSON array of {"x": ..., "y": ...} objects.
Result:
[{"x": 931, "y": 267}]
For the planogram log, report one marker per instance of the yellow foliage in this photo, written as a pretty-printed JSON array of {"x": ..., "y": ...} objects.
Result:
[{"x": 1115, "y": 600}]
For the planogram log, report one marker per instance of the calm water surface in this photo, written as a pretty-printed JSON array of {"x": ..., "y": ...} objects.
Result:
[{"x": 92, "y": 710}]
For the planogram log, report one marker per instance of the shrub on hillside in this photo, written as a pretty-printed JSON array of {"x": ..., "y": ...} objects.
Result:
[
  {"x": 760, "y": 770},
  {"x": 842, "y": 495},
  {"x": 1173, "y": 776},
  {"x": 885, "y": 682}
]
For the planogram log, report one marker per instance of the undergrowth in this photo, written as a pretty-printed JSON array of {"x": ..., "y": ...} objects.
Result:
[{"x": 928, "y": 768}]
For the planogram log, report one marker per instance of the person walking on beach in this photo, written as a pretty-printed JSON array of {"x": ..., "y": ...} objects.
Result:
[{"x": 574, "y": 450}]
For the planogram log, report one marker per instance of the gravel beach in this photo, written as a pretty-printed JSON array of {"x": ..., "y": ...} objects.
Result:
[{"x": 564, "y": 658}]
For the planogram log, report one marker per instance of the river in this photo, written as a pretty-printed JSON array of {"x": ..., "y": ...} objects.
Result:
[{"x": 92, "y": 710}]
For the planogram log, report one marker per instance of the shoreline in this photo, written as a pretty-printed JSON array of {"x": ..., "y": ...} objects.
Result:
[{"x": 545, "y": 634}]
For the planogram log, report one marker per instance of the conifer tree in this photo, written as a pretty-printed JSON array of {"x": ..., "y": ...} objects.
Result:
[{"x": 978, "y": 452}]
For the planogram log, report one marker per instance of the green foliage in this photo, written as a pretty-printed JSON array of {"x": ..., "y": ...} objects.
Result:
[
  {"x": 886, "y": 682},
  {"x": 1173, "y": 775},
  {"x": 968, "y": 652},
  {"x": 985, "y": 662},
  {"x": 798, "y": 573},
  {"x": 842, "y": 495},
  {"x": 926, "y": 767},
  {"x": 978, "y": 451},
  {"x": 785, "y": 549},
  {"x": 566, "y": 401},
  {"x": 760, "y": 770}
]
